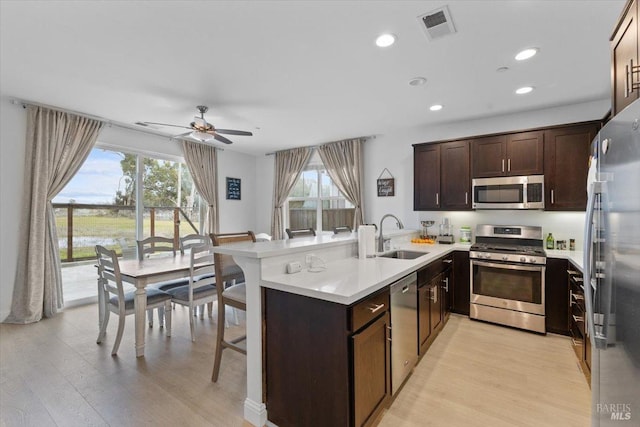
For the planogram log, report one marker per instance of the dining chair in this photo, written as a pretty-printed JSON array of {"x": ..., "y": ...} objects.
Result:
[
  {"x": 186, "y": 243},
  {"x": 231, "y": 292},
  {"x": 341, "y": 229},
  {"x": 115, "y": 300},
  {"x": 201, "y": 288},
  {"x": 300, "y": 233},
  {"x": 158, "y": 246}
]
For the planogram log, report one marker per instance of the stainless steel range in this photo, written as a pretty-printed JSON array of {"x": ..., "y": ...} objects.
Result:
[{"x": 507, "y": 276}]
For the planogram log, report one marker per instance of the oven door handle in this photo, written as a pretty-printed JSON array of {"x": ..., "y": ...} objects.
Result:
[{"x": 508, "y": 266}]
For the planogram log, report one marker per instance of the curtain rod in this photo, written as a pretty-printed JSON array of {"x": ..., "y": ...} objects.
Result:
[
  {"x": 108, "y": 122},
  {"x": 365, "y": 138}
]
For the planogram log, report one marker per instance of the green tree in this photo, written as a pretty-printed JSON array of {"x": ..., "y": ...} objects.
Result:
[{"x": 160, "y": 183}]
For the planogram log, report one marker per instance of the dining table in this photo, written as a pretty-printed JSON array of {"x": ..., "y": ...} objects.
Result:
[{"x": 142, "y": 273}]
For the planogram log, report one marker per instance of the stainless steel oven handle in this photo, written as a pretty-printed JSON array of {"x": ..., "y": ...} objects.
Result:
[{"x": 507, "y": 266}]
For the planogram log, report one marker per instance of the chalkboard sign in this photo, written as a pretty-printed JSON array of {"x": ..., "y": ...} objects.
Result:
[
  {"x": 233, "y": 188},
  {"x": 386, "y": 187}
]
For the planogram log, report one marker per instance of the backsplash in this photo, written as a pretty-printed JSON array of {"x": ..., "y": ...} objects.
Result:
[{"x": 563, "y": 225}]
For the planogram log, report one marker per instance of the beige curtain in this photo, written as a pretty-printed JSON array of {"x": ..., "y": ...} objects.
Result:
[
  {"x": 57, "y": 144},
  {"x": 288, "y": 166},
  {"x": 202, "y": 161},
  {"x": 343, "y": 161}
]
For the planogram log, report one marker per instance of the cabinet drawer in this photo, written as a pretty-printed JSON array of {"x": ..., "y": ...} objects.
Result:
[
  {"x": 577, "y": 317},
  {"x": 369, "y": 309},
  {"x": 577, "y": 340}
]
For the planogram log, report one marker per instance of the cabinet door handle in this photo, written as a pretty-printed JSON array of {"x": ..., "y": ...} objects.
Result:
[
  {"x": 375, "y": 308},
  {"x": 437, "y": 199},
  {"x": 575, "y": 342},
  {"x": 508, "y": 165},
  {"x": 577, "y": 319},
  {"x": 446, "y": 284},
  {"x": 434, "y": 294},
  {"x": 502, "y": 165},
  {"x": 626, "y": 81},
  {"x": 466, "y": 197},
  {"x": 447, "y": 261},
  {"x": 552, "y": 198}
]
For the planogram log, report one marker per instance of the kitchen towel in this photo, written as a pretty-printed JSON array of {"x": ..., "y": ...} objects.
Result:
[{"x": 366, "y": 241}]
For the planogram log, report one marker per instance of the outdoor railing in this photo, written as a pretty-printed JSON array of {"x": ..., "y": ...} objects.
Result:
[{"x": 82, "y": 226}]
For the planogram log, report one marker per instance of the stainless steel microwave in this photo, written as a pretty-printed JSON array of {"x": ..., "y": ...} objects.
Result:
[{"x": 509, "y": 192}]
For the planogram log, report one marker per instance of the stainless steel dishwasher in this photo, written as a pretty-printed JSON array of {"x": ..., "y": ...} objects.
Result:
[{"x": 404, "y": 329}]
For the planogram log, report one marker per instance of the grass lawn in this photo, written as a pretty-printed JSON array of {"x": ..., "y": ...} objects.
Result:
[{"x": 108, "y": 231}]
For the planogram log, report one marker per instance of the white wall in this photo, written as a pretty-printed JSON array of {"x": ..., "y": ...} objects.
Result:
[
  {"x": 264, "y": 193},
  {"x": 13, "y": 122},
  {"x": 234, "y": 215},
  {"x": 237, "y": 215}
]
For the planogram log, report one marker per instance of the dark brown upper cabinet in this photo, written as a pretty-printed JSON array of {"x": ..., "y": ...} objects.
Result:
[
  {"x": 625, "y": 75},
  {"x": 511, "y": 154},
  {"x": 566, "y": 157},
  {"x": 426, "y": 177},
  {"x": 441, "y": 176},
  {"x": 455, "y": 177}
]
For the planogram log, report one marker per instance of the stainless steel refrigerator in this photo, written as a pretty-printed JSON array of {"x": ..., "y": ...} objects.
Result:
[{"x": 612, "y": 269}]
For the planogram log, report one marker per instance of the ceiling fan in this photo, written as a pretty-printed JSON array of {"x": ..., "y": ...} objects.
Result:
[{"x": 204, "y": 131}]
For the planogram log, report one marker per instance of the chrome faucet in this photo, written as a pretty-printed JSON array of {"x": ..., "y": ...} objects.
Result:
[{"x": 381, "y": 239}]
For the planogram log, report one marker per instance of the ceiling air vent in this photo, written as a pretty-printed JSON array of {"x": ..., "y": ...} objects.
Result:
[{"x": 437, "y": 23}]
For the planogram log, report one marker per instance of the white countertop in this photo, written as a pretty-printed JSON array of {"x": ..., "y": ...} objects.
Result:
[{"x": 348, "y": 280}]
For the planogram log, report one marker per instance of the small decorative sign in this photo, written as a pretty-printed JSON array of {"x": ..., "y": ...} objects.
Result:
[
  {"x": 386, "y": 186},
  {"x": 233, "y": 188}
]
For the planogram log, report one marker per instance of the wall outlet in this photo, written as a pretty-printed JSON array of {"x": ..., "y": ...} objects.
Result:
[{"x": 294, "y": 267}]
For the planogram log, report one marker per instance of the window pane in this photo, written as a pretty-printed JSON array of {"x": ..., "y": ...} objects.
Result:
[
  {"x": 303, "y": 214},
  {"x": 307, "y": 185},
  {"x": 169, "y": 199},
  {"x": 336, "y": 213}
]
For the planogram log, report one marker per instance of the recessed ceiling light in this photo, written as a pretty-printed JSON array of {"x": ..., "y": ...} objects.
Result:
[
  {"x": 526, "y": 54},
  {"x": 502, "y": 69},
  {"x": 385, "y": 40},
  {"x": 417, "y": 81},
  {"x": 435, "y": 107},
  {"x": 524, "y": 89}
]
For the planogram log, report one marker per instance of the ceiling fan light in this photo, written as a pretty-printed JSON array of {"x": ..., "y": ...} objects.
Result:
[{"x": 202, "y": 136}]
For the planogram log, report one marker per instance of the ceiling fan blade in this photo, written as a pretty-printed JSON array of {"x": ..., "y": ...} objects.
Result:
[
  {"x": 234, "y": 132},
  {"x": 166, "y": 124},
  {"x": 222, "y": 139}
]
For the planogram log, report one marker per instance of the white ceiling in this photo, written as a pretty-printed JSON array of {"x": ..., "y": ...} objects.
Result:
[{"x": 301, "y": 72}]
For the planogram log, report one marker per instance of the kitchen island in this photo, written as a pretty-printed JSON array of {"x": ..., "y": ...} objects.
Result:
[{"x": 345, "y": 279}]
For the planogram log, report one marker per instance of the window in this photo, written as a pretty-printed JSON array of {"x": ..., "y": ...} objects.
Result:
[
  {"x": 315, "y": 201},
  {"x": 98, "y": 206}
]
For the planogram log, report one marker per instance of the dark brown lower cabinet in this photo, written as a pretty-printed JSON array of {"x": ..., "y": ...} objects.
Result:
[
  {"x": 461, "y": 290},
  {"x": 370, "y": 358},
  {"x": 326, "y": 364},
  {"x": 556, "y": 296}
]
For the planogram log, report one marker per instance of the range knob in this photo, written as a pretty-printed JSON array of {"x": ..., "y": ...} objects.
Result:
[
  {"x": 532, "y": 260},
  {"x": 523, "y": 259},
  {"x": 505, "y": 257},
  {"x": 487, "y": 256}
]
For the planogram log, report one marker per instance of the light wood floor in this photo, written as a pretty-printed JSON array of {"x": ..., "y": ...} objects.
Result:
[
  {"x": 479, "y": 374},
  {"x": 53, "y": 373}
]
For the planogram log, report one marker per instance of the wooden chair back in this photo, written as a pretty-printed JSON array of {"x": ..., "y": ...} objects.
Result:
[
  {"x": 341, "y": 229},
  {"x": 201, "y": 267},
  {"x": 190, "y": 240},
  {"x": 109, "y": 276},
  {"x": 155, "y": 244},
  {"x": 300, "y": 233},
  {"x": 227, "y": 271}
]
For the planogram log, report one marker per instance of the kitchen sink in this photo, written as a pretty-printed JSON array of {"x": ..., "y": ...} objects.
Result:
[{"x": 400, "y": 254}]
